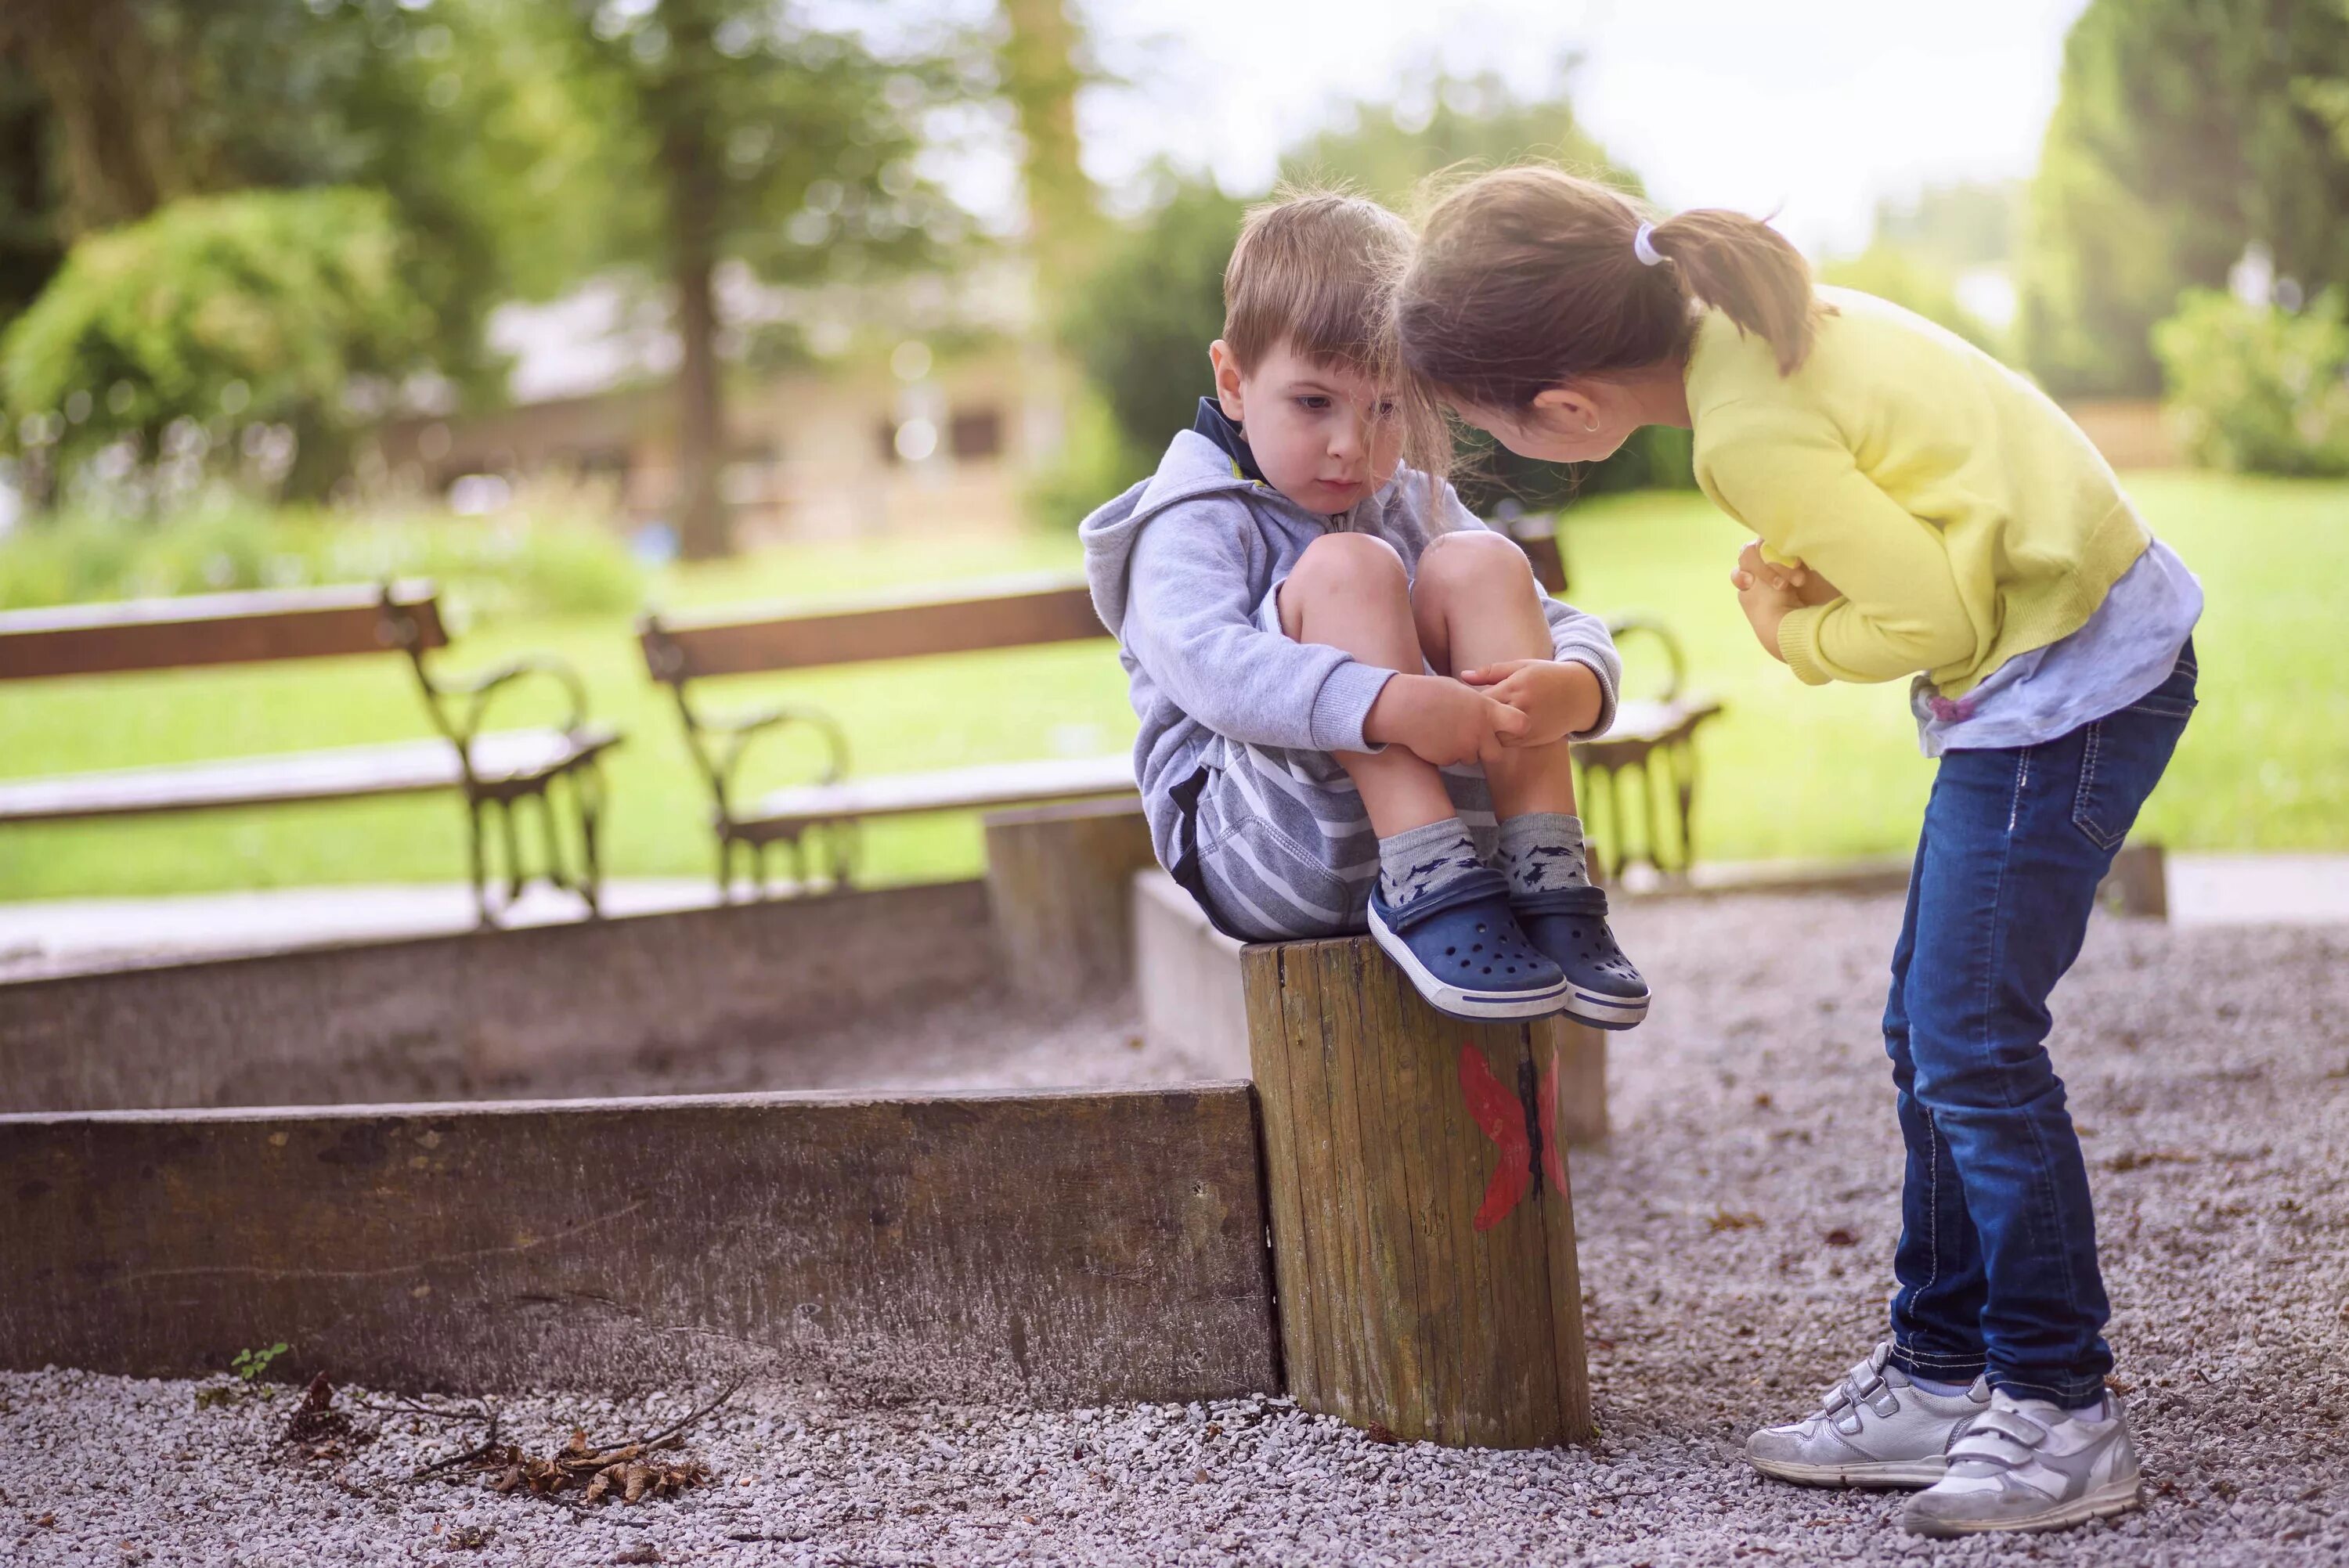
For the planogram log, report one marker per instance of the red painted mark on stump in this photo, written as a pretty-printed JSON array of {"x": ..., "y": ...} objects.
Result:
[{"x": 1522, "y": 1126}]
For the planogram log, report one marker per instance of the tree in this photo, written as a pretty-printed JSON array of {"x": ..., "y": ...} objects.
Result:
[
  {"x": 218, "y": 315},
  {"x": 741, "y": 133},
  {"x": 1039, "y": 65},
  {"x": 2186, "y": 130}
]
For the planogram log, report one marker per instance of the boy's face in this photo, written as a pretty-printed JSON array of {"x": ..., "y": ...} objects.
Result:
[{"x": 1324, "y": 435}]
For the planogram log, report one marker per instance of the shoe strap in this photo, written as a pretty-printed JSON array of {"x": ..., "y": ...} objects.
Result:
[
  {"x": 1588, "y": 902},
  {"x": 1469, "y": 887}
]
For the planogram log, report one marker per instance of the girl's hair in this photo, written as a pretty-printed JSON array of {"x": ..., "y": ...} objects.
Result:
[{"x": 1527, "y": 278}]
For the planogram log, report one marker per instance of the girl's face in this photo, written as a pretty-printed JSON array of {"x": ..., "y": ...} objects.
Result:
[{"x": 1578, "y": 423}]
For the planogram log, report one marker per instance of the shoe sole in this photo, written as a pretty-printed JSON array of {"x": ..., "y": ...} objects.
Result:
[
  {"x": 1892, "y": 1474},
  {"x": 2113, "y": 1498},
  {"x": 1452, "y": 1001},
  {"x": 1606, "y": 1012}
]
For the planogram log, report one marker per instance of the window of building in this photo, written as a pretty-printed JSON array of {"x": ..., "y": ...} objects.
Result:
[{"x": 975, "y": 433}]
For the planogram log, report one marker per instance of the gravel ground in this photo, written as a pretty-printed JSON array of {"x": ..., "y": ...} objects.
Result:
[{"x": 1736, "y": 1242}]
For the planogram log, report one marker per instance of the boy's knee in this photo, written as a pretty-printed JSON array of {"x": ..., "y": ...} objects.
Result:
[
  {"x": 1351, "y": 567},
  {"x": 1474, "y": 558}
]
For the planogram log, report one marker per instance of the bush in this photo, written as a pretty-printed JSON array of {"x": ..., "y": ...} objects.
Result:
[
  {"x": 2256, "y": 388},
  {"x": 213, "y": 318},
  {"x": 1913, "y": 283},
  {"x": 534, "y": 559}
]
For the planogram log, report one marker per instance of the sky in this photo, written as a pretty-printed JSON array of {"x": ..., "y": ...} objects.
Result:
[{"x": 1811, "y": 108}]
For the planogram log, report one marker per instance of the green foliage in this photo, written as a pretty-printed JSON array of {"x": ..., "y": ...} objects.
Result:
[
  {"x": 1907, "y": 280},
  {"x": 1967, "y": 223},
  {"x": 1389, "y": 152},
  {"x": 218, "y": 313},
  {"x": 1095, "y": 462},
  {"x": 2258, "y": 389},
  {"x": 532, "y": 560},
  {"x": 249, "y": 1364},
  {"x": 1140, "y": 324},
  {"x": 2186, "y": 130}
]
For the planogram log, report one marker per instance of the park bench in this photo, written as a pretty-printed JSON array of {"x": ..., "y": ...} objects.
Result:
[
  {"x": 680, "y": 650},
  {"x": 1645, "y": 730},
  {"x": 822, "y": 815},
  {"x": 495, "y": 772}
]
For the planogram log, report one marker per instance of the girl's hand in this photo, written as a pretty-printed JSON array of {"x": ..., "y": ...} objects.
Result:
[
  {"x": 1559, "y": 697},
  {"x": 1441, "y": 721},
  {"x": 1807, "y": 585},
  {"x": 1764, "y": 607}
]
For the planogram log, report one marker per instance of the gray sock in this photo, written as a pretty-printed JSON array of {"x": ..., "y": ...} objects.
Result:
[
  {"x": 1420, "y": 861},
  {"x": 1541, "y": 850}
]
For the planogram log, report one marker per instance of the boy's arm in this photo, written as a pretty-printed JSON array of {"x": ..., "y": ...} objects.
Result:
[
  {"x": 1190, "y": 622},
  {"x": 1794, "y": 482},
  {"x": 1576, "y": 637}
]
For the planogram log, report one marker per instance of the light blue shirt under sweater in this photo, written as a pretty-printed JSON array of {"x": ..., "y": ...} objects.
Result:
[
  {"x": 2123, "y": 652},
  {"x": 1180, "y": 564}
]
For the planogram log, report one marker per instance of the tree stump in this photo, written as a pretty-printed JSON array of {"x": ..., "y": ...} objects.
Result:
[
  {"x": 1058, "y": 880},
  {"x": 1422, "y": 1225}
]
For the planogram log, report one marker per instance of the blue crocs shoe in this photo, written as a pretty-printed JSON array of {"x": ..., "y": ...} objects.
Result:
[
  {"x": 1463, "y": 952},
  {"x": 1569, "y": 924}
]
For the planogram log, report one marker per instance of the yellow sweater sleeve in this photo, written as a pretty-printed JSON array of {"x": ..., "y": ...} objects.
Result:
[{"x": 1785, "y": 473}]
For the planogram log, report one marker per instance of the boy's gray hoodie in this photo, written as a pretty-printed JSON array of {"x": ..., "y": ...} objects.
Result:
[{"x": 1179, "y": 565}]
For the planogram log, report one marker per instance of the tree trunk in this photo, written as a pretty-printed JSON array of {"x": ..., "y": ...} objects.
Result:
[
  {"x": 112, "y": 101},
  {"x": 698, "y": 509}
]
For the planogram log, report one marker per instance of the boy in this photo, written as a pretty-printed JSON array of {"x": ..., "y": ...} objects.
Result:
[{"x": 1355, "y": 700}]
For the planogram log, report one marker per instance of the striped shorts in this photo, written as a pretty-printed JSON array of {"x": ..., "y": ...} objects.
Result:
[{"x": 1275, "y": 844}]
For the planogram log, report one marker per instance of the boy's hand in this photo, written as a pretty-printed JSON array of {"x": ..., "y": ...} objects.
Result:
[
  {"x": 1559, "y": 697},
  {"x": 1441, "y": 722}
]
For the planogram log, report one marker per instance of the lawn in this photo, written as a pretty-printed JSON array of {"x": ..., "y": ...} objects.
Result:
[{"x": 1788, "y": 772}]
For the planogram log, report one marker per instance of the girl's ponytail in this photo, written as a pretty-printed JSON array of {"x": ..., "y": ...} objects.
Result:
[
  {"x": 1747, "y": 271},
  {"x": 1527, "y": 278}
]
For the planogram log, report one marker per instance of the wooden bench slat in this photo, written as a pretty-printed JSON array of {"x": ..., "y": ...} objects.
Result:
[
  {"x": 209, "y": 629},
  {"x": 949, "y": 789},
  {"x": 1645, "y": 722},
  {"x": 1021, "y": 612},
  {"x": 346, "y": 773}
]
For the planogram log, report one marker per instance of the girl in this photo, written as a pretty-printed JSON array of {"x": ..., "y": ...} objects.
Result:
[{"x": 1923, "y": 512}]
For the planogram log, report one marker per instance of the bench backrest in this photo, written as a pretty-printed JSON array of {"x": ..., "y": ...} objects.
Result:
[
  {"x": 218, "y": 629},
  {"x": 1009, "y": 613}
]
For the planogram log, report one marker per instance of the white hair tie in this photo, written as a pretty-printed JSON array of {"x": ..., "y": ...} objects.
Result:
[{"x": 1642, "y": 248}]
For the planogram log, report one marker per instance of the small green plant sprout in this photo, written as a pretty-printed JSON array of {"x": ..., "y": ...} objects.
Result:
[{"x": 249, "y": 1364}]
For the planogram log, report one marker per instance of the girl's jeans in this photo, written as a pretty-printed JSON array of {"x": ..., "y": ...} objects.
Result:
[{"x": 1997, "y": 1262}]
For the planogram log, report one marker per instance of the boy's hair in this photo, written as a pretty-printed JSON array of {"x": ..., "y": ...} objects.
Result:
[
  {"x": 1527, "y": 278},
  {"x": 1313, "y": 268}
]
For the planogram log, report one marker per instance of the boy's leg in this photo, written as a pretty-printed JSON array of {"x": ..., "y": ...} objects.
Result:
[
  {"x": 1350, "y": 590},
  {"x": 1438, "y": 912},
  {"x": 1476, "y": 604}
]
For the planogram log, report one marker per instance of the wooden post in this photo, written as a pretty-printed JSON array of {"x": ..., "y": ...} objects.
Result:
[
  {"x": 1423, "y": 1227},
  {"x": 1058, "y": 879},
  {"x": 2139, "y": 883}
]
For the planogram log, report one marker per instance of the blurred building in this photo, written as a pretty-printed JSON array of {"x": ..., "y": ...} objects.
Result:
[{"x": 918, "y": 406}]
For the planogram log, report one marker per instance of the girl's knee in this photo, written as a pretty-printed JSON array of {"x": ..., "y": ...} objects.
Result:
[{"x": 1475, "y": 559}]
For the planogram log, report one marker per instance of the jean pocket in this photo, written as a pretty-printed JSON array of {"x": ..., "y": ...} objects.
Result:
[{"x": 2122, "y": 757}]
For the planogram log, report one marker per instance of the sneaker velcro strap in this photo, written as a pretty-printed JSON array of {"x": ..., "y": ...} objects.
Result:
[
  {"x": 1469, "y": 887},
  {"x": 1590, "y": 901}
]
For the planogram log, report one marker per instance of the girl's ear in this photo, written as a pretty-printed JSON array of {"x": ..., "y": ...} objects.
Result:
[
  {"x": 1565, "y": 408},
  {"x": 1228, "y": 379}
]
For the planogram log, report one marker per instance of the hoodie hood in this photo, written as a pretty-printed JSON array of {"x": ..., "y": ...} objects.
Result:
[{"x": 1194, "y": 466}]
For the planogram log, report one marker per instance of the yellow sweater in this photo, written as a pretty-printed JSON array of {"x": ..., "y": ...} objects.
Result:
[{"x": 1962, "y": 516}]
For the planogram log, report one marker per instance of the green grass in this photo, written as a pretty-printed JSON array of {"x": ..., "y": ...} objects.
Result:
[{"x": 1788, "y": 772}]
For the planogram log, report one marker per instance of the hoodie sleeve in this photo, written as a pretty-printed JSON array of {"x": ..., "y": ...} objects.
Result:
[
  {"x": 1189, "y": 621},
  {"x": 1574, "y": 634}
]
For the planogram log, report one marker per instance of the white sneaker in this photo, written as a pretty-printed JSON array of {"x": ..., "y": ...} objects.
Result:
[
  {"x": 1875, "y": 1428},
  {"x": 2026, "y": 1464}
]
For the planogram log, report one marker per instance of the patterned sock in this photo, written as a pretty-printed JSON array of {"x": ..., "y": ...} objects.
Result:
[
  {"x": 1541, "y": 850},
  {"x": 1420, "y": 861}
]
